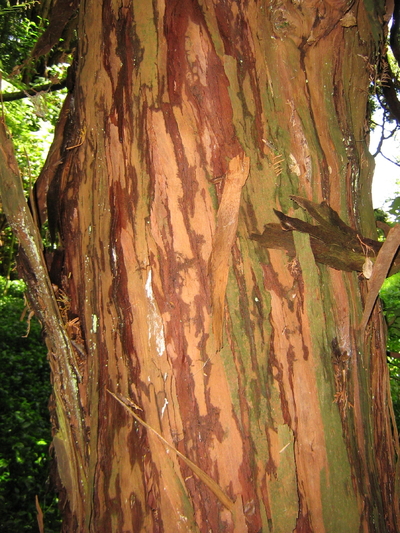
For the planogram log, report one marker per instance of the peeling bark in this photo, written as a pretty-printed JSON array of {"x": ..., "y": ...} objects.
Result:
[
  {"x": 69, "y": 439},
  {"x": 290, "y": 417},
  {"x": 333, "y": 243},
  {"x": 223, "y": 240}
]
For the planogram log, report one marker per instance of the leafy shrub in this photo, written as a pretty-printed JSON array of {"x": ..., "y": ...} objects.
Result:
[
  {"x": 390, "y": 295},
  {"x": 24, "y": 425}
]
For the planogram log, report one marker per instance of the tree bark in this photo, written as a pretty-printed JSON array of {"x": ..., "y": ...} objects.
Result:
[{"x": 248, "y": 363}]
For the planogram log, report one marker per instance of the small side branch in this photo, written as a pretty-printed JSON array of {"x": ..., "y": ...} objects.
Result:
[
  {"x": 337, "y": 245},
  {"x": 333, "y": 242},
  {"x": 34, "y": 91},
  {"x": 65, "y": 371}
]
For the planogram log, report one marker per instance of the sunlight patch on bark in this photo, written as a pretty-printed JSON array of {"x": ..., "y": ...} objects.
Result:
[{"x": 154, "y": 321}]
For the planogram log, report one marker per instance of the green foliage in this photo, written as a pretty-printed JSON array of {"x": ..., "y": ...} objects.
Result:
[
  {"x": 32, "y": 134},
  {"x": 30, "y": 120},
  {"x": 25, "y": 433},
  {"x": 390, "y": 296},
  {"x": 20, "y": 26},
  {"x": 31, "y": 123},
  {"x": 7, "y": 248},
  {"x": 381, "y": 216},
  {"x": 394, "y": 371},
  {"x": 24, "y": 424},
  {"x": 394, "y": 208}
]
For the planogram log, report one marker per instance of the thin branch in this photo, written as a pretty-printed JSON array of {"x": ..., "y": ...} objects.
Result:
[
  {"x": 205, "y": 478},
  {"x": 48, "y": 87},
  {"x": 384, "y": 137},
  {"x": 395, "y": 31},
  {"x": 388, "y": 159},
  {"x": 69, "y": 440}
]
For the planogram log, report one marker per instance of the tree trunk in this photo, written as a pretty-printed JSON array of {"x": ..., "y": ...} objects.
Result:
[{"x": 190, "y": 121}]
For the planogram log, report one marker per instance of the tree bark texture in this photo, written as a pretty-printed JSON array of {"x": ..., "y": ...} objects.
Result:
[{"x": 190, "y": 121}]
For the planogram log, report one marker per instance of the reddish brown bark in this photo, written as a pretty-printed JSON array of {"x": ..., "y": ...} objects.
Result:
[{"x": 290, "y": 417}]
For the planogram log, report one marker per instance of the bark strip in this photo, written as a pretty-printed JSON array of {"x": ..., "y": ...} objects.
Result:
[
  {"x": 380, "y": 271},
  {"x": 70, "y": 433},
  {"x": 224, "y": 238}
]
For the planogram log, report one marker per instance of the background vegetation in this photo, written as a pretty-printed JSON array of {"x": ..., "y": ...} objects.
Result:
[
  {"x": 25, "y": 388},
  {"x": 390, "y": 296},
  {"x": 25, "y": 433}
]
